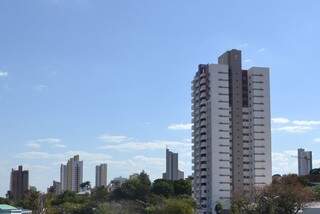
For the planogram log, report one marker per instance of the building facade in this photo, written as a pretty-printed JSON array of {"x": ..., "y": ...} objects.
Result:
[
  {"x": 231, "y": 132},
  {"x": 116, "y": 183},
  {"x": 71, "y": 174},
  {"x": 172, "y": 163},
  {"x": 304, "y": 162},
  {"x": 55, "y": 188},
  {"x": 8, "y": 209},
  {"x": 19, "y": 183},
  {"x": 101, "y": 175}
]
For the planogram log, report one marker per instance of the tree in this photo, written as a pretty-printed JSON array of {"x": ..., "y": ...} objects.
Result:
[
  {"x": 162, "y": 187},
  {"x": 99, "y": 194},
  {"x": 286, "y": 195},
  {"x": 317, "y": 192},
  {"x": 136, "y": 188},
  {"x": 85, "y": 186},
  {"x": 31, "y": 201},
  {"x": 218, "y": 208},
  {"x": 177, "y": 206},
  {"x": 182, "y": 187}
]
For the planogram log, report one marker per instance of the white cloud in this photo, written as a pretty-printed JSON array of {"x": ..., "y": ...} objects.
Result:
[
  {"x": 248, "y": 60},
  {"x": 282, "y": 124},
  {"x": 293, "y": 129},
  {"x": 59, "y": 145},
  {"x": 62, "y": 157},
  {"x": 54, "y": 142},
  {"x": 34, "y": 145},
  {"x": 113, "y": 138},
  {"x": 261, "y": 50},
  {"x": 146, "y": 145},
  {"x": 3, "y": 73},
  {"x": 316, "y": 140},
  {"x": 150, "y": 160},
  {"x": 306, "y": 122},
  {"x": 284, "y": 162},
  {"x": 48, "y": 140},
  {"x": 280, "y": 120},
  {"x": 180, "y": 126}
]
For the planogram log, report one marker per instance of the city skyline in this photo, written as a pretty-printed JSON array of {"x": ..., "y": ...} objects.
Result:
[{"x": 115, "y": 87}]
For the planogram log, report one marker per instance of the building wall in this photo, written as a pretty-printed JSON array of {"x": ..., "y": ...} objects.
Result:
[
  {"x": 259, "y": 88},
  {"x": 219, "y": 136},
  {"x": 19, "y": 183},
  {"x": 304, "y": 162},
  {"x": 231, "y": 132},
  {"x": 101, "y": 175},
  {"x": 172, "y": 170},
  {"x": 71, "y": 175}
]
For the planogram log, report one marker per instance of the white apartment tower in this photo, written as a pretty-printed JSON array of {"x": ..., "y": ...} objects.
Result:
[
  {"x": 172, "y": 170},
  {"x": 231, "y": 131},
  {"x": 71, "y": 175},
  {"x": 304, "y": 162},
  {"x": 101, "y": 175}
]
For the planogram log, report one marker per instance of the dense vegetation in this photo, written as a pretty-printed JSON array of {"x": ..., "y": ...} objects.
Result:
[
  {"x": 286, "y": 195},
  {"x": 136, "y": 196}
]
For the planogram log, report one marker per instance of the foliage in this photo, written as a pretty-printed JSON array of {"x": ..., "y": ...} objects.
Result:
[
  {"x": 85, "y": 185},
  {"x": 182, "y": 187},
  {"x": 136, "y": 188},
  {"x": 176, "y": 206},
  {"x": 162, "y": 187},
  {"x": 136, "y": 196},
  {"x": 286, "y": 195},
  {"x": 218, "y": 208},
  {"x": 99, "y": 194},
  {"x": 317, "y": 192},
  {"x": 31, "y": 200},
  {"x": 315, "y": 171}
]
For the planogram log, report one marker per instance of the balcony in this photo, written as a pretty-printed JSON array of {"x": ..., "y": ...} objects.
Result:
[
  {"x": 203, "y": 81},
  {"x": 203, "y": 109},
  {"x": 203, "y": 88},
  {"x": 203, "y": 95},
  {"x": 203, "y": 116},
  {"x": 203, "y": 137}
]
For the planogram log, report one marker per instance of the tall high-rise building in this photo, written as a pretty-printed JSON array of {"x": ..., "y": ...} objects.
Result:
[
  {"x": 71, "y": 175},
  {"x": 101, "y": 175},
  {"x": 19, "y": 183},
  {"x": 172, "y": 171},
  {"x": 231, "y": 131},
  {"x": 304, "y": 162}
]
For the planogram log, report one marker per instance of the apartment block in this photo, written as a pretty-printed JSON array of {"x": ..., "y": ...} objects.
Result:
[
  {"x": 231, "y": 132},
  {"x": 172, "y": 172},
  {"x": 71, "y": 174},
  {"x": 101, "y": 175},
  {"x": 304, "y": 162},
  {"x": 19, "y": 183}
]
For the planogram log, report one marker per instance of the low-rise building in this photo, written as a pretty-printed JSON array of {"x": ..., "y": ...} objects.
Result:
[
  {"x": 7, "y": 209},
  {"x": 116, "y": 183}
]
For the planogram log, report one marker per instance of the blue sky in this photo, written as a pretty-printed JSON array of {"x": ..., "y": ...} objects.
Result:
[{"x": 111, "y": 80}]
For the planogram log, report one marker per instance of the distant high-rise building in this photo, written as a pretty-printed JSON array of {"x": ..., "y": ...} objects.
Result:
[
  {"x": 172, "y": 172},
  {"x": 304, "y": 162},
  {"x": 101, "y": 175},
  {"x": 55, "y": 188},
  {"x": 19, "y": 183},
  {"x": 71, "y": 175},
  {"x": 231, "y": 131}
]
